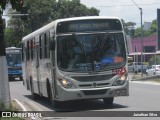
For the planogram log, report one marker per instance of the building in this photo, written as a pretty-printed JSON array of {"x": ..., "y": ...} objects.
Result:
[
  {"x": 146, "y": 26},
  {"x": 149, "y": 47}
]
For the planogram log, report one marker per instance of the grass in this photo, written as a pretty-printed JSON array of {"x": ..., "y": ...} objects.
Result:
[
  {"x": 13, "y": 107},
  {"x": 156, "y": 80}
]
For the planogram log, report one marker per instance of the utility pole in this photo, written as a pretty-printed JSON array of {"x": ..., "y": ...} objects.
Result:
[
  {"x": 141, "y": 37},
  {"x": 4, "y": 83}
]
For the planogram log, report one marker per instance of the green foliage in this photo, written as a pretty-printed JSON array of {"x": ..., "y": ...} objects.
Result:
[
  {"x": 42, "y": 12},
  {"x": 13, "y": 34},
  {"x": 12, "y": 108},
  {"x": 152, "y": 60},
  {"x": 3, "y": 3},
  {"x": 152, "y": 30},
  {"x": 137, "y": 32},
  {"x": 16, "y": 4},
  {"x": 129, "y": 27},
  {"x": 154, "y": 26}
]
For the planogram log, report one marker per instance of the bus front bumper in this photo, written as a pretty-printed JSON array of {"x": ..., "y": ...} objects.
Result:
[{"x": 92, "y": 93}]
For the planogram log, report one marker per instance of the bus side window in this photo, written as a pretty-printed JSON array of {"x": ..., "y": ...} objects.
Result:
[
  {"x": 27, "y": 51},
  {"x": 46, "y": 44},
  {"x": 40, "y": 47},
  {"x": 52, "y": 38},
  {"x": 34, "y": 47},
  {"x": 31, "y": 46},
  {"x": 22, "y": 45}
]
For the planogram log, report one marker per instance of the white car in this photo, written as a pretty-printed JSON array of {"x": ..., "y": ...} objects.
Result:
[
  {"x": 153, "y": 70},
  {"x": 134, "y": 66}
]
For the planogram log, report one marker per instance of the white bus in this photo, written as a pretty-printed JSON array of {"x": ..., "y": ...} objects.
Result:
[{"x": 77, "y": 58}]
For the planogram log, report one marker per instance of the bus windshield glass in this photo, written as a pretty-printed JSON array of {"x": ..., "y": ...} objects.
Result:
[
  {"x": 13, "y": 60},
  {"x": 91, "y": 52}
]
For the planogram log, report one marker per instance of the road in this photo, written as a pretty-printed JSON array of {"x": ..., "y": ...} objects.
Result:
[{"x": 143, "y": 97}]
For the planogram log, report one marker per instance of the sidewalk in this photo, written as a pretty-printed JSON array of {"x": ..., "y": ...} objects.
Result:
[{"x": 145, "y": 78}]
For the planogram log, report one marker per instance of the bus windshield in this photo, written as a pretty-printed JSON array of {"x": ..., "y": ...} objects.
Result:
[
  {"x": 13, "y": 60},
  {"x": 91, "y": 52}
]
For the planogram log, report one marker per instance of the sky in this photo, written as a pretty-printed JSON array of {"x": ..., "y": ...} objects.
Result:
[{"x": 126, "y": 9}]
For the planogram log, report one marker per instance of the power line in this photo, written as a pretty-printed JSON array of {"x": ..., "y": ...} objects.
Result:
[
  {"x": 128, "y": 5},
  {"x": 136, "y": 4}
]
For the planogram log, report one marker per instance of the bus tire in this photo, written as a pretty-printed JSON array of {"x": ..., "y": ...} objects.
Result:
[
  {"x": 108, "y": 101},
  {"x": 49, "y": 92},
  {"x": 27, "y": 82},
  {"x": 20, "y": 78},
  {"x": 54, "y": 103},
  {"x": 34, "y": 95}
]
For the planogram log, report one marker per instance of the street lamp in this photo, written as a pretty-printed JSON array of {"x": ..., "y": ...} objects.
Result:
[
  {"x": 141, "y": 43},
  {"x": 141, "y": 38}
]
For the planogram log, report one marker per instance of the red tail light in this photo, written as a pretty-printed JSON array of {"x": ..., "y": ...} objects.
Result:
[{"x": 119, "y": 71}]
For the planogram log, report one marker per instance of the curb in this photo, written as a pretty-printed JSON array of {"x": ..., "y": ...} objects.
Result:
[
  {"x": 146, "y": 78},
  {"x": 23, "y": 108},
  {"x": 20, "y": 104}
]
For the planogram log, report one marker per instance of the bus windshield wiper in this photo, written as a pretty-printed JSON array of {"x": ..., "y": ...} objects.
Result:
[
  {"x": 79, "y": 43},
  {"x": 104, "y": 40}
]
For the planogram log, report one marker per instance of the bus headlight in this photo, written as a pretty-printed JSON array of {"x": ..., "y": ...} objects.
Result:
[
  {"x": 120, "y": 81},
  {"x": 65, "y": 82}
]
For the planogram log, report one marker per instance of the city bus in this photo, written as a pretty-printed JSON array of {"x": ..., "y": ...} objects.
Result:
[
  {"x": 75, "y": 59},
  {"x": 14, "y": 63}
]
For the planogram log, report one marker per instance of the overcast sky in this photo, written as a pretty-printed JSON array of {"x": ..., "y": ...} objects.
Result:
[{"x": 126, "y": 9}]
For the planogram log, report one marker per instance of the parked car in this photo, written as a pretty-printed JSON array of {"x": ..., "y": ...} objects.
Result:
[
  {"x": 136, "y": 67},
  {"x": 153, "y": 70}
]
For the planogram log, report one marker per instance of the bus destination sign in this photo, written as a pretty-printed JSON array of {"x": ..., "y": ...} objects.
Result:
[
  {"x": 88, "y": 25},
  {"x": 13, "y": 51}
]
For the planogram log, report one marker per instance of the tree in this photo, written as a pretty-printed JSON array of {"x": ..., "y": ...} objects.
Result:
[
  {"x": 4, "y": 86},
  {"x": 152, "y": 30},
  {"x": 154, "y": 26},
  {"x": 152, "y": 60},
  {"x": 129, "y": 27},
  {"x": 14, "y": 33},
  {"x": 42, "y": 12}
]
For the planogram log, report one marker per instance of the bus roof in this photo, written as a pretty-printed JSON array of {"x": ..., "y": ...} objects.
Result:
[{"x": 52, "y": 24}]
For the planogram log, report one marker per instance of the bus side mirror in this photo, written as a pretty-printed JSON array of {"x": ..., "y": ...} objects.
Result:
[{"x": 52, "y": 45}]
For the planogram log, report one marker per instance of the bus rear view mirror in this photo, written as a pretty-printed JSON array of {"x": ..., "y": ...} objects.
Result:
[{"x": 52, "y": 45}]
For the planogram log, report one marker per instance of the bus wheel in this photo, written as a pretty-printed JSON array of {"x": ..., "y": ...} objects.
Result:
[
  {"x": 108, "y": 101},
  {"x": 11, "y": 78},
  {"x": 54, "y": 103},
  {"x": 34, "y": 95},
  {"x": 20, "y": 78}
]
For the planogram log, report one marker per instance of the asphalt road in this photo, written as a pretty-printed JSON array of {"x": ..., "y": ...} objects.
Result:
[{"x": 143, "y": 97}]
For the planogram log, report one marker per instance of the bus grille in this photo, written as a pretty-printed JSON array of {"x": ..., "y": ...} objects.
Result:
[
  {"x": 14, "y": 68},
  {"x": 94, "y": 92},
  {"x": 92, "y": 78},
  {"x": 91, "y": 85}
]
